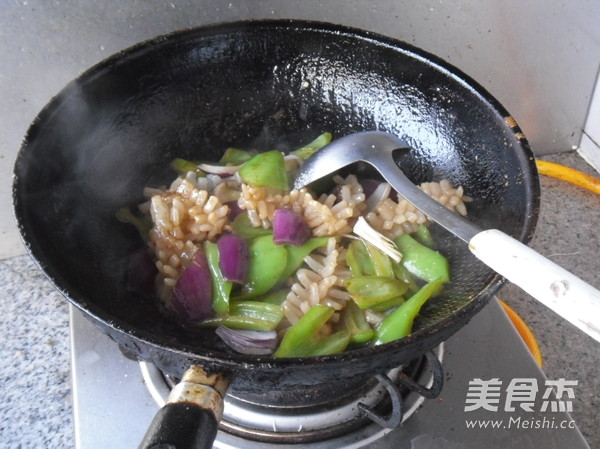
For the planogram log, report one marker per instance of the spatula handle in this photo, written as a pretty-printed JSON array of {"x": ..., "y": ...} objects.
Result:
[{"x": 555, "y": 287}]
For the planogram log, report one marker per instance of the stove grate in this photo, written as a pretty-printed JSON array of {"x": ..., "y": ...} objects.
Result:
[{"x": 388, "y": 400}]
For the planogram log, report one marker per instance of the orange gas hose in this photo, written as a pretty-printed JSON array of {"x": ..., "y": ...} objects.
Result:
[
  {"x": 568, "y": 174},
  {"x": 524, "y": 332}
]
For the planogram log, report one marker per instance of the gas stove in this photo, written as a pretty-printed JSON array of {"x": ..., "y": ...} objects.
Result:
[{"x": 493, "y": 395}]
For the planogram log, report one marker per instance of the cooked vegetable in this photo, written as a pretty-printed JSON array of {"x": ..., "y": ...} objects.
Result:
[
  {"x": 355, "y": 323},
  {"x": 263, "y": 257},
  {"x": 366, "y": 260},
  {"x": 274, "y": 297},
  {"x": 141, "y": 273},
  {"x": 182, "y": 166},
  {"x": 250, "y": 315},
  {"x": 289, "y": 228},
  {"x": 358, "y": 259},
  {"x": 364, "y": 230},
  {"x": 399, "y": 323},
  {"x": 242, "y": 226},
  {"x": 248, "y": 342},
  {"x": 221, "y": 287},
  {"x": 221, "y": 170},
  {"x": 422, "y": 261},
  {"x": 236, "y": 156},
  {"x": 296, "y": 255},
  {"x": 303, "y": 339},
  {"x": 332, "y": 344},
  {"x": 401, "y": 273},
  {"x": 266, "y": 264},
  {"x": 234, "y": 209},
  {"x": 192, "y": 295},
  {"x": 233, "y": 258},
  {"x": 423, "y": 236},
  {"x": 368, "y": 291},
  {"x": 309, "y": 149},
  {"x": 376, "y": 192},
  {"x": 143, "y": 224},
  {"x": 265, "y": 170},
  {"x": 389, "y": 304}
]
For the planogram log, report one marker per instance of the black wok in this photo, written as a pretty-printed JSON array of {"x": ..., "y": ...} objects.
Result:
[{"x": 264, "y": 85}]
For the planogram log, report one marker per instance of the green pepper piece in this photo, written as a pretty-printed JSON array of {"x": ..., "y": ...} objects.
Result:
[
  {"x": 143, "y": 224},
  {"x": 332, "y": 344},
  {"x": 298, "y": 338},
  {"x": 274, "y": 297},
  {"x": 399, "y": 323},
  {"x": 358, "y": 259},
  {"x": 265, "y": 170},
  {"x": 266, "y": 262},
  {"x": 309, "y": 149},
  {"x": 401, "y": 273},
  {"x": 296, "y": 255},
  {"x": 251, "y": 315},
  {"x": 389, "y": 304},
  {"x": 242, "y": 226},
  {"x": 236, "y": 156},
  {"x": 423, "y": 262},
  {"x": 182, "y": 166},
  {"x": 221, "y": 287},
  {"x": 303, "y": 340},
  {"x": 382, "y": 264},
  {"x": 365, "y": 259},
  {"x": 423, "y": 235},
  {"x": 354, "y": 321},
  {"x": 367, "y": 291}
]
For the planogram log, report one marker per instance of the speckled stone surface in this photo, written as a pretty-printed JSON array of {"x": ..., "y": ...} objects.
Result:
[
  {"x": 35, "y": 390},
  {"x": 568, "y": 233}
]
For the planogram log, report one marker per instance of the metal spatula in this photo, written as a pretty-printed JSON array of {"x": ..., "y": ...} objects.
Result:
[{"x": 561, "y": 291}]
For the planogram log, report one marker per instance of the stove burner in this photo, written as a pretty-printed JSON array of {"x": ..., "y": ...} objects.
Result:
[{"x": 304, "y": 416}]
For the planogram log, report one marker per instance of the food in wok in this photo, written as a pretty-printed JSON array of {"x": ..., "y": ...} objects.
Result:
[{"x": 282, "y": 272}]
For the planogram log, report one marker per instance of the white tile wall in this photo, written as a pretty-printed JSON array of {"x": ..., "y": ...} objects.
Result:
[
  {"x": 589, "y": 148},
  {"x": 539, "y": 58}
]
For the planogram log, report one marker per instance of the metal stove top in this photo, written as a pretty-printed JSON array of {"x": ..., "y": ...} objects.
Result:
[{"x": 113, "y": 406}]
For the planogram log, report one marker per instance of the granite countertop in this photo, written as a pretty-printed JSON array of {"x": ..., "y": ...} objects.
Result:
[{"x": 35, "y": 398}]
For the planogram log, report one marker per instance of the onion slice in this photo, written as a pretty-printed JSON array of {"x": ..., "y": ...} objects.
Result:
[
  {"x": 221, "y": 170},
  {"x": 192, "y": 295},
  {"x": 381, "y": 192},
  {"x": 233, "y": 258},
  {"x": 248, "y": 341},
  {"x": 289, "y": 228}
]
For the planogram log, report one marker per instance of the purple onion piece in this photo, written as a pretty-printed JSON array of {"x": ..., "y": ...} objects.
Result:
[
  {"x": 234, "y": 209},
  {"x": 141, "y": 273},
  {"x": 369, "y": 185},
  {"x": 289, "y": 228},
  {"x": 233, "y": 258},
  {"x": 248, "y": 341},
  {"x": 191, "y": 299}
]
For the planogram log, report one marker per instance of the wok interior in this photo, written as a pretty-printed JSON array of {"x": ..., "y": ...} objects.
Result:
[{"x": 191, "y": 95}]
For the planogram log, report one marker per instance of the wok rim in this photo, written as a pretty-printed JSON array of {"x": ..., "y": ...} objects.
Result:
[{"x": 95, "y": 313}]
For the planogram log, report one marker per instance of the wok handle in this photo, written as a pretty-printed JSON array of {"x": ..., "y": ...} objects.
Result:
[
  {"x": 555, "y": 287},
  {"x": 181, "y": 426},
  {"x": 190, "y": 418}
]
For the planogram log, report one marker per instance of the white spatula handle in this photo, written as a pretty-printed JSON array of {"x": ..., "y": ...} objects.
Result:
[{"x": 564, "y": 293}]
